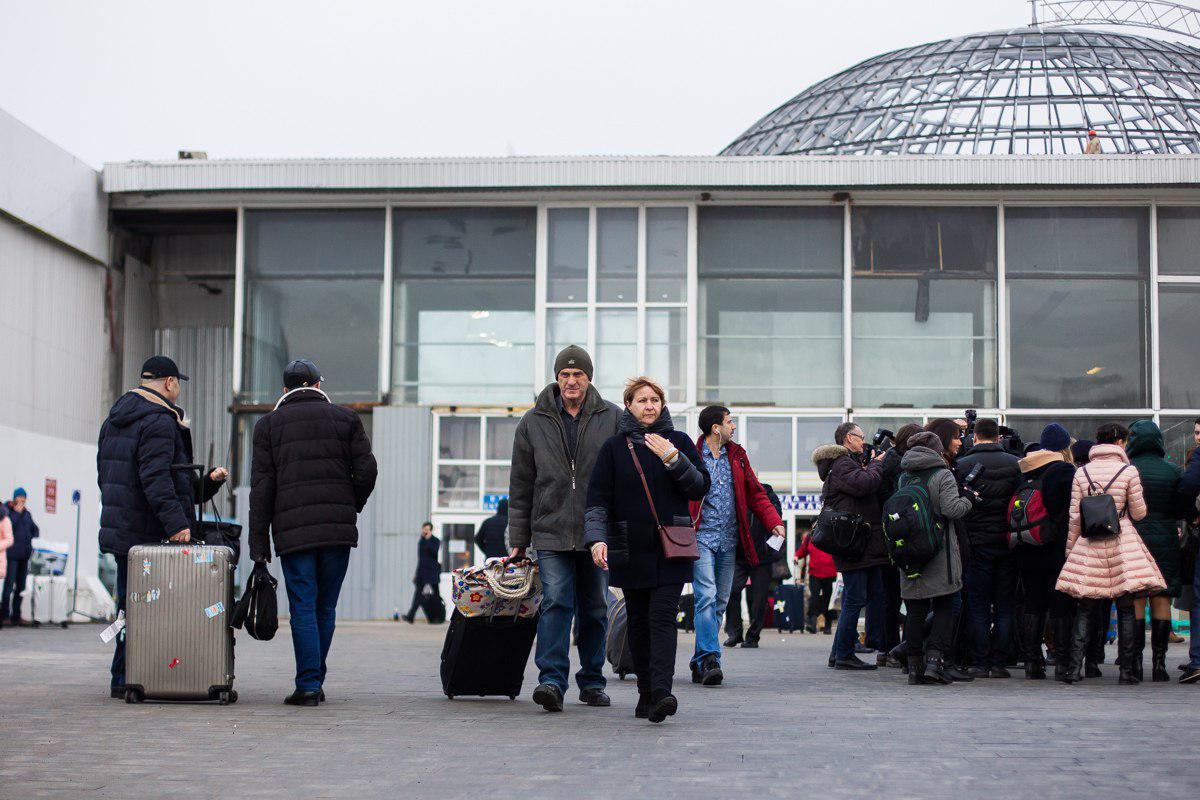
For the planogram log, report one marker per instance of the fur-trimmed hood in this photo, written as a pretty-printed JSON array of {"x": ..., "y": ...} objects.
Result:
[{"x": 824, "y": 456}]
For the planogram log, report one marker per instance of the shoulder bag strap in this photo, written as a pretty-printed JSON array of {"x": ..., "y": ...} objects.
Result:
[
  {"x": 1091, "y": 482},
  {"x": 638, "y": 465},
  {"x": 1114, "y": 478}
]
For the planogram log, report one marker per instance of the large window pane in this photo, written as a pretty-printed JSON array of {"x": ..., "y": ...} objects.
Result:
[
  {"x": 1049, "y": 241},
  {"x": 666, "y": 349},
  {"x": 458, "y": 487},
  {"x": 768, "y": 442},
  {"x": 924, "y": 343},
  {"x": 564, "y": 326},
  {"x": 771, "y": 342},
  {"x": 923, "y": 239},
  {"x": 333, "y": 322},
  {"x": 500, "y": 434},
  {"x": 1179, "y": 241},
  {"x": 1179, "y": 346},
  {"x": 769, "y": 239},
  {"x": 464, "y": 241},
  {"x": 811, "y": 433},
  {"x": 1077, "y": 343},
  {"x": 1181, "y": 435},
  {"x": 568, "y": 254},
  {"x": 496, "y": 480},
  {"x": 616, "y": 351},
  {"x": 313, "y": 283},
  {"x": 666, "y": 255},
  {"x": 463, "y": 305},
  {"x": 1030, "y": 428},
  {"x": 458, "y": 438},
  {"x": 616, "y": 255}
]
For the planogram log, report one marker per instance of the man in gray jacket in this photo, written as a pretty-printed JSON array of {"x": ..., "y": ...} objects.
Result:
[{"x": 553, "y": 454}]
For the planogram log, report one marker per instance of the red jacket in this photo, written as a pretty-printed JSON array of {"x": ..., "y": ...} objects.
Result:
[
  {"x": 820, "y": 563},
  {"x": 747, "y": 492}
]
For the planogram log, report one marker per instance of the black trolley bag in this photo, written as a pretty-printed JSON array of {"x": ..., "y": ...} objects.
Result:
[
  {"x": 789, "y": 607},
  {"x": 616, "y": 645},
  {"x": 486, "y": 655}
]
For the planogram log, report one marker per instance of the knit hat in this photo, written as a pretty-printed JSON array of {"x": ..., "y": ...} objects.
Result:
[
  {"x": 573, "y": 357},
  {"x": 1081, "y": 449},
  {"x": 20, "y": 492},
  {"x": 1054, "y": 437},
  {"x": 926, "y": 439}
]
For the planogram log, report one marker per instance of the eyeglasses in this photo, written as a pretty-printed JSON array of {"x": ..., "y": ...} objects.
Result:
[{"x": 856, "y": 435}]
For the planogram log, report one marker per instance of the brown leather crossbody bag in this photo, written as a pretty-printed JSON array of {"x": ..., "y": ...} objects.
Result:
[{"x": 678, "y": 541}]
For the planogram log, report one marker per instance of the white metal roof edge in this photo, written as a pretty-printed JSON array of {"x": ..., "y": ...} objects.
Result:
[{"x": 528, "y": 172}]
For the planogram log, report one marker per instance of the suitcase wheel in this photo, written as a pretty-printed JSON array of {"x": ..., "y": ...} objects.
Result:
[
  {"x": 35, "y": 624},
  {"x": 225, "y": 698},
  {"x": 134, "y": 696},
  {"x": 64, "y": 624},
  {"x": 622, "y": 674},
  {"x": 512, "y": 697}
]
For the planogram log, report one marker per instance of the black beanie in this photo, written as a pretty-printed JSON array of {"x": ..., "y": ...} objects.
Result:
[{"x": 573, "y": 357}]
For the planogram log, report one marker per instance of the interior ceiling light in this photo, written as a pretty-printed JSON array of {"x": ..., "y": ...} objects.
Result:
[
  {"x": 480, "y": 314},
  {"x": 1094, "y": 371}
]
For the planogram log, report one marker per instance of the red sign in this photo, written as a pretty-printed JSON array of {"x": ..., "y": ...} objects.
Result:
[{"x": 51, "y": 495}]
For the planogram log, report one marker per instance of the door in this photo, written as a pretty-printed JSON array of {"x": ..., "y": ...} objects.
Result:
[{"x": 457, "y": 533}]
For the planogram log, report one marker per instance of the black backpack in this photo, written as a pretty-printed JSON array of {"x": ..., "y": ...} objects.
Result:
[
  {"x": 1098, "y": 515},
  {"x": 912, "y": 532}
]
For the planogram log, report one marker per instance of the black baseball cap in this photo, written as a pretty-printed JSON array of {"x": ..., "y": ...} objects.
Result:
[
  {"x": 161, "y": 367},
  {"x": 301, "y": 372}
]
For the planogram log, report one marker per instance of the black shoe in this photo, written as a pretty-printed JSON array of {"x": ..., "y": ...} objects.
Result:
[
  {"x": 899, "y": 654},
  {"x": 1090, "y": 670},
  {"x": 1191, "y": 675},
  {"x": 810, "y": 628},
  {"x": 832, "y": 662},
  {"x": 710, "y": 673},
  {"x": 862, "y": 649},
  {"x": 299, "y": 698},
  {"x": 548, "y": 696},
  {"x": 852, "y": 662},
  {"x": 322, "y": 695},
  {"x": 881, "y": 659},
  {"x": 596, "y": 698},
  {"x": 664, "y": 708},
  {"x": 1034, "y": 671},
  {"x": 409, "y": 618},
  {"x": 1160, "y": 637},
  {"x": 732, "y": 641},
  {"x": 916, "y": 672},
  {"x": 999, "y": 672},
  {"x": 750, "y": 644},
  {"x": 958, "y": 674},
  {"x": 695, "y": 673},
  {"x": 933, "y": 672},
  {"x": 977, "y": 672},
  {"x": 642, "y": 709}
]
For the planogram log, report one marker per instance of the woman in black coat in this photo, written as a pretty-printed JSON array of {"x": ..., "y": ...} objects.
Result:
[
  {"x": 624, "y": 539},
  {"x": 429, "y": 571}
]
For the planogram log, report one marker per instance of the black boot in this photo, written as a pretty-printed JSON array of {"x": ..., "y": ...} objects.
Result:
[
  {"x": 1080, "y": 637},
  {"x": 916, "y": 670},
  {"x": 1126, "y": 633},
  {"x": 1031, "y": 642},
  {"x": 1160, "y": 637},
  {"x": 1062, "y": 628},
  {"x": 934, "y": 670},
  {"x": 1139, "y": 647},
  {"x": 900, "y": 653}
]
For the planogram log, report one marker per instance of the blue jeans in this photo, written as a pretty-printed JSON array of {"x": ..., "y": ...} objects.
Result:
[
  {"x": 571, "y": 584},
  {"x": 314, "y": 580},
  {"x": 860, "y": 588},
  {"x": 118, "y": 662},
  {"x": 1194, "y": 623},
  {"x": 991, "y": 583},
  {"x": 712, "y": 578}
]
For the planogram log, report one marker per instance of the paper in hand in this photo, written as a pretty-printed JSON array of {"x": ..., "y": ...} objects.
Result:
[{"x": 775, "y": 542}]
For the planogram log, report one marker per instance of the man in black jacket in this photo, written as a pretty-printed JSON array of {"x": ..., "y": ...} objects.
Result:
[
  {"x": 144, "y": 501},
  {"x": 310, "y": 477},
  {"x": 490, "y": 537},
  {"x": 990, "y": 575}
]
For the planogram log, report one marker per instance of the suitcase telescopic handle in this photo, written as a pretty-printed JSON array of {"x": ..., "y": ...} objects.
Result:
[{"x": 197, "y": 471}]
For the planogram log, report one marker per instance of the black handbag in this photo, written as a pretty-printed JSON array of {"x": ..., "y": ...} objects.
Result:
[
  {"x": 258, "y": 610},
  {"x": 1098, "y": 512},
  {"x": 841, "y": 535},
  {"x": 780, "y": 571}
]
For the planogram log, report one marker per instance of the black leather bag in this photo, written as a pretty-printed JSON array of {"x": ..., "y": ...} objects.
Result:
[
  {"x": 258, "y": 610},
  {"x": 1098, "y": 515},
  {"x": 841, "y": 535}
]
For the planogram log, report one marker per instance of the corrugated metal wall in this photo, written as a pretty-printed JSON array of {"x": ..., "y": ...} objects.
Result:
[{"x": 139, "y": 318}]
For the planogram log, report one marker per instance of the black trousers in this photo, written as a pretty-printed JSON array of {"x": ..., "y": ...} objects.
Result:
[
  {"x": 821, "y": 590},
  {"x": 653, "y": 636},
  {"x": 760, "y": 586},
  {"x": 14, "y": 584},
  {"x": 1041, "y": 597},
  {"x": 941, "y": 629},
  {"x": 891, "y": 609}
]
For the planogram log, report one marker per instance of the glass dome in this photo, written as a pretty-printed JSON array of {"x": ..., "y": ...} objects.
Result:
[{"x": 1027, "y": 90}]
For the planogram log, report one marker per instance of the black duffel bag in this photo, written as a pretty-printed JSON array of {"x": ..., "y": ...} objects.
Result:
[
  {"x": 258, "y": 610},
  {"x": 221, "y": 533},
  {"x": 841, "y": 535}
]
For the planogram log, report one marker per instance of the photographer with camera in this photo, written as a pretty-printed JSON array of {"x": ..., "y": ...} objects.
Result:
[
  {"x": 990, "y": 573},
  {"x": 852, "y": 486}
]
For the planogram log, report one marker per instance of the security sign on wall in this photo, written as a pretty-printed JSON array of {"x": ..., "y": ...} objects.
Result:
[{"x": 51, "y": 495}]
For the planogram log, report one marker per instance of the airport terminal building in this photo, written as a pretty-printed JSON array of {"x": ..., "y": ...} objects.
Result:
[{"x": 915, "y": 236}]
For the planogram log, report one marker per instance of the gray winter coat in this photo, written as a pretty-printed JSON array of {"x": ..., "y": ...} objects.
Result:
[
  {"x": 547, "y": 489},
  {"x": 942, "y": 575}
]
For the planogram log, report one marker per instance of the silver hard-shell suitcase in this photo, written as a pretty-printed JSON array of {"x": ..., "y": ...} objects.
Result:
[{"x": 178, "y": 642}]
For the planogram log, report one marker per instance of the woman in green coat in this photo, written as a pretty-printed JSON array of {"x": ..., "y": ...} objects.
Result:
[{"x": 1160, "y": 531}]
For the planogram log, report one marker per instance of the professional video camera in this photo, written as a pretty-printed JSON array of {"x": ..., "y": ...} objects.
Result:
[
  {"x": 883, "y": 441},
  {"x": 1010, "y": 440}
]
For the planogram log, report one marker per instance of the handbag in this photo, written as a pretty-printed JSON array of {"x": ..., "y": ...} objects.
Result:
[
  {"x": 678, "y": 541},
  {"x": 841, "y": 535},
  {"x": 780, "y": 571},
  {"x": 258, "y": 609},
  {"x": 498, "y": 588},
  {"x": 1098, "y": 512}
]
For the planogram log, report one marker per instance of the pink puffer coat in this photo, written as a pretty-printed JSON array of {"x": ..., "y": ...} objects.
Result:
[
  {"x": 6, "y": 541},
  {"x": 1104, "y": 568}
]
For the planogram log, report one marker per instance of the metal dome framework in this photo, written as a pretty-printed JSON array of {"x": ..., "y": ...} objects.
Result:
[{"x": 1024, "y": 91}]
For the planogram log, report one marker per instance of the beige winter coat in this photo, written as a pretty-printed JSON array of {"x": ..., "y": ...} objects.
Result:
[{"x": 1105, "y": 568}]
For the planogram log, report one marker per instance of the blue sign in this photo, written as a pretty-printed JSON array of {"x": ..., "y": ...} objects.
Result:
[
  {"x": 492, "y": 501},
  {"x": 801, "y": 502}
]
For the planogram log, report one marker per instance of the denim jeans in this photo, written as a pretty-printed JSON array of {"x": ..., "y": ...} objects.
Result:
[
  {"x": 860, "y": 588},
  {"x": 991, "y": 584},
  {"x": 314, "y": 581},
  {"x": 118, "y": 662},
  {"x": 712, "y": 576},
  {"x": 1194, "y": 623},
  {"x": 571, "y": 584}
]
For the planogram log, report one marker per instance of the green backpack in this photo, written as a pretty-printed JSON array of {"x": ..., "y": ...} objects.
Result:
[{"x": 912, "y": 532}]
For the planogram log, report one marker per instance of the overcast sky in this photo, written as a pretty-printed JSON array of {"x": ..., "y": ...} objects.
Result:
[{"x": 115, "y": 81}]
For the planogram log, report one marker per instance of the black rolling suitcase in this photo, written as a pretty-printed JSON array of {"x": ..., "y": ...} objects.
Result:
[
  {"x": 486, "y": 655},
  {"x": 685, "y": 620},
  {"x": 789, "y": 607},
  {"x": 617, "y": 644},
  {"x": 434, "y": 607}
]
